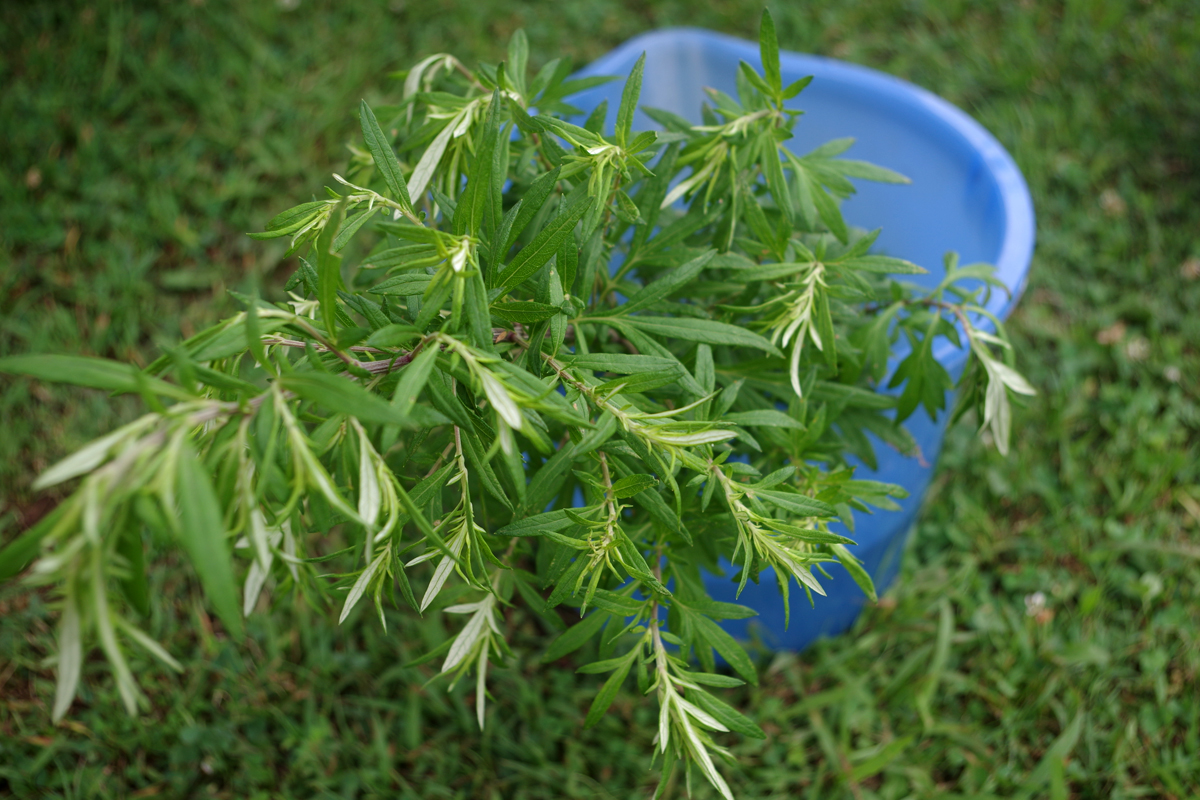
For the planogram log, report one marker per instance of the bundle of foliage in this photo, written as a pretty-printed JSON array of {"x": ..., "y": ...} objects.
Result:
[{"x": 563, "y": 346}]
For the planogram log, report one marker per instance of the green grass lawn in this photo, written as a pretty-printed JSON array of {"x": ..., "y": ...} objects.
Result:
[{"x": 138, "y": 142}]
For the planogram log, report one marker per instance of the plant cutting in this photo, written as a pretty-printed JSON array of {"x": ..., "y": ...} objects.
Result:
[{"x": 574, "y": 370}]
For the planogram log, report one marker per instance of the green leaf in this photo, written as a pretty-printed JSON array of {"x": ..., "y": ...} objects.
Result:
[
  {"x": 350, "y": 227},
  {"x": 385, "y": 157},
  {"x": 479, "y": 321},
  {"x": 549, "y": 520},
  {"x": 829, "y": 213},
  {"x": 412, "y": 381},
  {"x": 798, "y": 503},
  {"x": 329, "y": 273},
  {"x": 600, "y": 667},
  {"x": 575, "y": 637},
  {"x": 756, "y": 80},
  {"x": 629, "y": 100},
  {"x": 615, "y": 603},
  {"x": 725, "y": 644},
  {"x": 538, "y": 193},
  {"x": 621, "y": 363},
  {"x": 524, "y": 311},
  {"x": 568, "y": 263},
  {"x": 469, "y": 215},
  {"x": 644, "y": 382},
  {"x": 202, "y": 531},
  {"x": 662, "y": 513},
  {"x": 535, "y": 254},
  {"x": 607, "y": 693},
  {"x": 727, "y": 715},
  {"x": 825, "y": 152},
  {"x": 344, "y": 396},
  {"x": 720, "y": 610},
  {"x": 595, "y": 120},
  {"x": 811, "y": 535},
  {"x": 795, "y": 87},
  {"x": 95, "y": 373},
  {"x": 855, "y": 568},
  {"x": 296, "y": 217},
  {"x": 881, "y": 264},
  {"x": 632, "y": 485},
  {"x": 773, "y": 171},
  {"x": 403, "y": 285},
  {"x": 15, "y": 555},
  {"x": 768, "y": 46},
  {"x": 134, "y": 584},
  {"x": 867, "y": 171},
  {"x": 518, "y": 58},
  {"x": 696, "y": 330},
  {"x": 667, "y": 285},
  {"x": 476, "y": 454},
  {"x": 824, "y": 321},
  {"x": 711, "y": 679},
  {"x": 572, "y": 133},
  {"x": 765, "y": 417}
]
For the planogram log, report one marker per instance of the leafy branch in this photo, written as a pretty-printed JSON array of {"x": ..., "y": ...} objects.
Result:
[{"x": 498, "y": 313}]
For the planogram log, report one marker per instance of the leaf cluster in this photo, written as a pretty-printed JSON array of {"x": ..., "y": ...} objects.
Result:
[{"x": 561, "y": 346}]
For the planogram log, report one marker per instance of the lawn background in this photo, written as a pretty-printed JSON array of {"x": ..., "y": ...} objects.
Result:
[{"x": 138, "y": 142}]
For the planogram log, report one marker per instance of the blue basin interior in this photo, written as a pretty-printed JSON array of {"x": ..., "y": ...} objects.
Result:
[{"x": 967, "y": 195}]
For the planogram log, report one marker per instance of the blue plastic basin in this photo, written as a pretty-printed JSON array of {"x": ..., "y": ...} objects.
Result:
[{"x": 966, "y": 195}]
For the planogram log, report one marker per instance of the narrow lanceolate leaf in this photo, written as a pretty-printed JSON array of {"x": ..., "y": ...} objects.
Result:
[
  {"x": 623, "y": 364},
  {"x": 881, "y": 264},
  {"x": 89, "y": 457},
  {"x": 765, "y": 417},
  {"x": 370, "y": 497},
  {"x": 632, "y": 485},
  {"x": 608, "y": 692},
  {"x": 384, "y": 155},
  {"x": 867, "y": 171},
  {"x": 769, "y": 48},
  {"x": 535, "y": 254},
  {"x": 668, "y": 284},
  {"x": 15, "y": 555},
  {"x": 629, "y": 100},
  {"x": 134, "y": 584},
  {"x": 856, "y": 570},
  {"x": 343, "y": 395},
  {"x": 697, "y": 330},
  {"x": 95, "y": 373},
  {"x": 524, "y": 311},
  {"x": 574, "y": 637},
  {"x": 423, "y": 173},
  {"x": 466, "y": 640},
  {"x": 468, "y": 216},
  {"x": 539, "y": 192},
  {"x": 725, "y": 644},
  {"x": 202, "y": 531},
  {"x": 412, "y": 381},
  {"x": 773, "y": 171},
  {"x": 830, "y": 214},
  {"x": 363, "y": 583},
  {"x": 404, "y": 285},
  {"x": 727, "y": 715},
  {"x": 441, "y": 574},
  {"x": 800, "y": 504},
  {"x": 70, "y": 656},
  {"x": 329, "y": 273},
  {"x": 149, "y": 645},
  {"x": 518, "y": 58}
]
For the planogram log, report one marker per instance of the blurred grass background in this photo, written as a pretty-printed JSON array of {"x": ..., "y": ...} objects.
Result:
[{"x": 1042, "y": 641}]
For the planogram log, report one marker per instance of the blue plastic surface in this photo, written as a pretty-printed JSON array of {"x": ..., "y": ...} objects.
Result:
[{"x": 967, "y": 195}]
